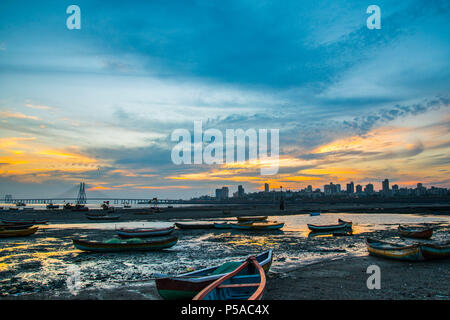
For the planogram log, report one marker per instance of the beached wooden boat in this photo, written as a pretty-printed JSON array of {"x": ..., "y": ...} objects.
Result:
[
  {"x": 23, "y": 222},
  {"x": 187, "y": 285},
  {"x": 194, "y": 225},
  {"x": 251, "y": 218},
  {"x": 393, "y": 250},
  {"x": 144, "y": 232},
  {"x": 7, "y": 233},
  {"x": 419, "y": 233},
  {"x": 314, "y": 213},
  {"x": 438, "y": 250},
  {"x": 102, "y": 217},
  {"x": 258, "y": 225},
  {"x": 330, "y": 227},
  {"x": 338, "y": 233},
  {"x": 224, "y": 225},
  {"x": 13, "y": 226},
  {"x": 349, "y": 223},
  {"x": 246, "y": 282},
  {"x": 115, "y": 245}
]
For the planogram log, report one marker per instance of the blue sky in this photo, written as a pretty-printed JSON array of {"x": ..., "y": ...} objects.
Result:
[{"x": 99, "y": 104}]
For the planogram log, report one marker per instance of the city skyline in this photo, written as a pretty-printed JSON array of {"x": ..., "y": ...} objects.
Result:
[
  {"x": 99, "y": 104},
  {"x": 367, "y": 189}
]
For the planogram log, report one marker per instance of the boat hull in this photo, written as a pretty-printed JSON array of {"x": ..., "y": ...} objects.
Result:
[
  {"x": 24, "y": 222},
  {"x": 118, "y": 247},
  {"x": 417, "y": 234},
  {"x": 222, "y": 225},
  {"x": 393, "y": 251},
  {"x": 144, "y": 233},
  {"x": 12, "y": 226},
  {"x": 337, "y": 227},
  {"x": 253, "y": 226},
  {"x": 187, "y": 285},
  {"x": 435, "y": 251},
  {"x": 17, "y": 232},
  {"x": 348, "y": 223},
  {"x": 181, "y": 225},
  {"x": 247, "y": 282},
  {"x": 250, "y": 218}
]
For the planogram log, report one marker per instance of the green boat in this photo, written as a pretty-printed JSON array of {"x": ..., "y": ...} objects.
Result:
[{"x": 117, "y": 245}]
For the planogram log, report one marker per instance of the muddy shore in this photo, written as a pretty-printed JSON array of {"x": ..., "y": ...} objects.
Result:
[{"x": 336, "y": 268}]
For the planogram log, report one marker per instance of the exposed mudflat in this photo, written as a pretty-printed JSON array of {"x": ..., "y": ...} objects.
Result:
[{"x": 305, "y": 266}]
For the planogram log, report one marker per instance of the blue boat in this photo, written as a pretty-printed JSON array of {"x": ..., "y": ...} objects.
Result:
[
  {"x": 246, "y": 282},
  {"x": 314, "y": 213},
  {"x": 224, "y": 225},
  {"x": 437, "y": 250}
]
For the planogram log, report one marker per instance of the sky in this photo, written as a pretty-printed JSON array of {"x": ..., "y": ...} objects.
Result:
[{"x": 99, "y": 104}]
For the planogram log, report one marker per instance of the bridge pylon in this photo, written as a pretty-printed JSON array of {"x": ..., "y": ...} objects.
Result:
[{"x": 81, "y": 199}]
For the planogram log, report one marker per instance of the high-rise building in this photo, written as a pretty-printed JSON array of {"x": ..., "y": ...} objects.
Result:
[
  {"x": 309, "y": 189},
  {"x": 385, "y": 186},
  {"x": 266, "y": 187},
  {"x": 218, "y": 194},
  {"x": 225, "y": 192},
  {"x": 350, "y": 187},
  {"x": 241, "y": 191},
  {"x": 369, "y": 188},
  {"x": 359, "y": 188},
  {"x": 222, "y": 193},
  {"x": 331, "y": 188}
]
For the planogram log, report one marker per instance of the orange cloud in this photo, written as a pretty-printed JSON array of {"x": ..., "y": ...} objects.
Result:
[
  {"x": 26, "y": 158},
  {"x": 163, "y": 187},
  {"x": 16, "y": 115}
]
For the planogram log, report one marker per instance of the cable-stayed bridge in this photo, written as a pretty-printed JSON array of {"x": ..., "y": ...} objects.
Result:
[{"x": 78, "y": 194}]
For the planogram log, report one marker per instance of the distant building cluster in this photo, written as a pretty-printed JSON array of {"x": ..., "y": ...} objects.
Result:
[
  {"x": 224, "y": 193},
  {"x": 330, "y": 190}
]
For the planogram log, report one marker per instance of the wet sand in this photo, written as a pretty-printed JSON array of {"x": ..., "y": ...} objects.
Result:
[
  {"x": 346, "y": 279},
  {"x": 303, "y": 267}
]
